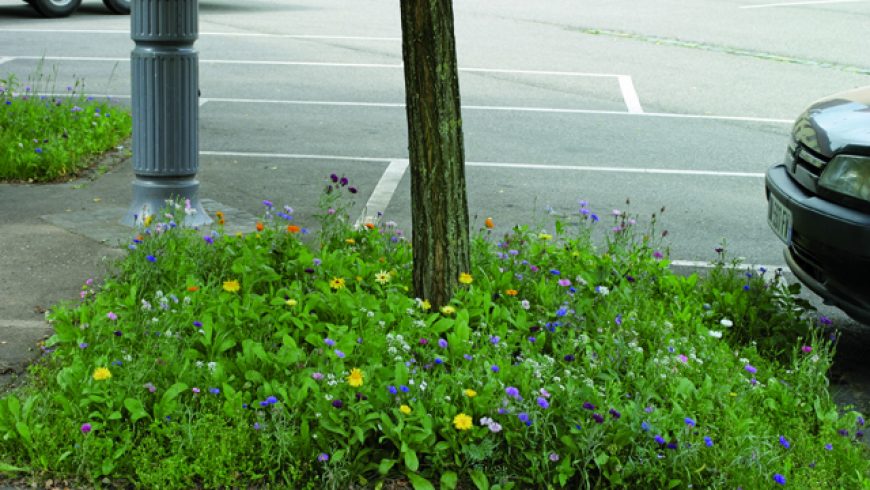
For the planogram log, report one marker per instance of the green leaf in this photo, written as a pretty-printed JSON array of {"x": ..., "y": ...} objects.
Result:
[
  {"x": 411, "y": 461},
  {"x": 385, "y": 466},
  {"x": 602, "y": 459},
  {"x": 419, "y": 482},
  {"x": 448, "y": 480},
  {"x": 480, "y": 480},
  {"x": 8, "y": 468},
  {"x": 134, "y": 406}
]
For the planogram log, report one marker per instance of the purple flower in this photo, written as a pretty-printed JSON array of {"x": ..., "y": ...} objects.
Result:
[
  {"x": 352, "y": 190},
  {"x": 644, "y": 426},
  {"x": 779, "y": 478},
  {"x": 784, "y": 442},
  {"x": 657, "y": 255},
  {"x": 524, "y": 418},
  {"x": 151, "y": 258},
  {"x": 825, "y": 320},
  {"x": 807, "y": 349},
  {"x": 197, "y": 324},
  {"x": 317, "y": 376},
  {"x": 829, "y": 447},
  {"x": 689, "y": 422},
  {"x": 337, "y": 403},
  {"x": 569, "y": 357},
  {"x": 750, "y": 368},
  {"x": 334, "y": 179},
  {"x": 618, "y": 320},
  {"x": 467, "y": 357},
  {"x": 118, "y": 333},
  {"x": 150, "y": 387},
  {"x": 588, "y": 406},
  {"x": 561, "y": 312},
  {"x": 339, "y": 354},
  {"x": 111, "y": 316},
  {"x": 329, "y": 342},
  {"x": 564, "y": 282},
  {"x": 442, "y": 343},
  {"x": 597, "y": 418},
  {"x": 256, "y": 426},
  {"x": 85, "y": 428},
  {"x": 554, "y": 457},
  {"x": 494, "y": 368},
  {"x": 83, "y": 345},
  {"x": 843, "y": 432},
  {"x": 859, "y": 420},
  {"x": 267, "y": 203},
  {"x": 343, "y": 181},
  {"x": 195, "y": 390},
  {"x": 214, "y": 391},
  {"x": 208, "y": 239},
  {"x": 532, "y": 339},
  {"x": 614, "y": 413},
  {"x": 660, "y": 440},
  {"x": 543, "y": 403},
  {"x": 494, "y": 339},
  {"x": 512, "y": 392},
  {"x": 323, "y": 457}
]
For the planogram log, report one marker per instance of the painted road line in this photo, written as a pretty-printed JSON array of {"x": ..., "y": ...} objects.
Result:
[
  {"x": 795, "y": 4},
  {"x": 628, "y": 170},
  {"x": 293, "y": 156},
  {"x": 629, "y": 94},
  {"x": 222, "y": 34},
  {"x": 383, "y": 192},
  {"x": 711, "y": 265},
  {"x": 202, "y": 101},
  {"x": 524, "y": 166},
  {"x": 4, "y": 59},
  {"x": 555, "y": 110}
]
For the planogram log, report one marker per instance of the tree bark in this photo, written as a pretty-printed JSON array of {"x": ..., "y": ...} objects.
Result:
[{"x": 439, "y": 211}]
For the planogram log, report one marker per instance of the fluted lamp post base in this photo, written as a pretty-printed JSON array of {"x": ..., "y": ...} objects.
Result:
[{"x": 153, "y": 197}]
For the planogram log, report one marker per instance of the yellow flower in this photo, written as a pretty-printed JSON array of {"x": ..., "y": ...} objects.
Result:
[
  {"x": 231, "y": 286},
  {"x": 545, "y": 236},
  {"x": 511, "y": 292},
  {"x": 465, "y": 278},
  {"x": 405, "y": 409},
  {"x": 291, "y": 302},
  {"x": 336, "y": 283},
  {"x": 356, "y": 378},
  {"x": 462, "y": 421},
  {"x": 470, "y": 393},
  {"x": 102, "y": 374},
  {"x": 425, "y": 305},
  {"x": 350, "y": 241},
  {"x": 448, "y": 310},
  {"x": 148, "y": 220},
  {"x": 382, "y": 277}
]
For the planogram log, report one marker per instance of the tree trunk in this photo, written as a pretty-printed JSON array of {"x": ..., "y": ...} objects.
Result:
[{"x": 439, "y": 211}]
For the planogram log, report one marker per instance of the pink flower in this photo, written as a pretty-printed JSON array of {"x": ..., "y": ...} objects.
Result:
[
  {"x": 807, "y": 349},
  {"x": 195, "y": 389},
  {"x": 111, "y": 316},
  {"x": 86, "y": 427},
  {"x": 564, "y": 282},
  {"x": 682, "y": 358}
]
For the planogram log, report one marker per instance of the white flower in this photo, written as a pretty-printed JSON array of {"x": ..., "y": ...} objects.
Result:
[
  {"x": 602, "y": 290},
  {"x": 525, "y": 304},
  {"x": 212, "y": 366},
  {"x": 328, "y": 397},
  {"x": 716, "y": 333},
  {"x": 726, "y": 323},
  {"x": 200, "y": 364}
]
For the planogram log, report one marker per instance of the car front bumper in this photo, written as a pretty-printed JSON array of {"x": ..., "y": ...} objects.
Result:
[{"x": 830, "y": 245}]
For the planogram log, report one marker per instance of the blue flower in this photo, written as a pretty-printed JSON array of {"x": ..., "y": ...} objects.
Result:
[
  {"x": 524, "y": 418},
  {"x": 829, "y": 447},
  {"x": 512, "y": 392},
  {"x": 779, "y": 478},
  {"x": 404, "y": 389},
  {"x": 543, "y": 403},
  {"x": 561, "y": 312},
  {"x": 339, "y": 354},
  {"x": 214, "y": 391},
  {"x": 328, "y": 341},
  {"x": 438, "y": 360},
  {"x": 660, "y": 440},
  {"x": 708, "y": 442},
  {"x": 644, "y": 426},
  {"x": 784, "y": 442},
  {"x": 494, "y": 368},
  {"x": 690, "y": 422},
  {"x": 618, "y": 319},
  {"x": 271, "y": 400},
  {"x": 393, "y": 390},
  {"x": 555, "y": 272},
  {"x": 532, "y": 339},
  {"x": 151, "y": 258}
]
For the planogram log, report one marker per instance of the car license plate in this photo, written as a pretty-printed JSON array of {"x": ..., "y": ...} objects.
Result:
[{"x": 779, "y": 219}]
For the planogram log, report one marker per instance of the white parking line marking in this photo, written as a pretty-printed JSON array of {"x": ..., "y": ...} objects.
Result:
[
  {"x": 202, "y": 101},
  {"x": 223, "y": 34},
  {"x": 711, "y": 265},
  {"x": 525, "y": 166},
  {"x": 555, "y": 110},
  {"x": 629, "y": 94},
  {"x": 383, "y": 192},
  {"x": 792, "y": 4},
  {"x": 4, "y": 59}
]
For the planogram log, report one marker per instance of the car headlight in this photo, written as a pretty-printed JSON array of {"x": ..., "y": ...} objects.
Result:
[{"x": 848, "y": 175}]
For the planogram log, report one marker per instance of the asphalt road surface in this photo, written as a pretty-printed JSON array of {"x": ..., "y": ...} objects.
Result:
[{"x": 667, "y": 103}]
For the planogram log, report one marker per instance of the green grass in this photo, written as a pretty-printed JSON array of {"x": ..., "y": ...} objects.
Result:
[
  {"x": 46, "y": 136},
  {"x": 234, "y": 361}
]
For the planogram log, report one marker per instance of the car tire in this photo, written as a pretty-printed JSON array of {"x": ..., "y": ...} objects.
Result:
[
  {"x": 55, "y": 8},
  {"x": 118, "y": 6}
]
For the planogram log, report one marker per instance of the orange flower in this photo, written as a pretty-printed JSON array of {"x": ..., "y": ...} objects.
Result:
[
  {"x": 489, "y": 223},
  {"x": 220, "y": 217},
  {"x": 293, "y": 229},
  {"x": 511, "y": 292},
  {"x": 259, "y": 226},
  {"x": 370, "y": 226},
  {"x": 140, "y": 237},
  {"x": 193, "y": 289}
]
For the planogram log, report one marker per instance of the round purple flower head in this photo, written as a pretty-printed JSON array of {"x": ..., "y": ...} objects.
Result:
[
  {"x": 512, "y": 392},
  {"x": 86, "y": 427}
]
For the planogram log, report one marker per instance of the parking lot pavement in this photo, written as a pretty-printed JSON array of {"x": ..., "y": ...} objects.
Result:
[{"x": 674, "y": 104}]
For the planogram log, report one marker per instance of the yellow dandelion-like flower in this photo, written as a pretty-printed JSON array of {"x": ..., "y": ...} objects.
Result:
[
  {"x": 462, "y": 421},
  {"x": 511, "y": 292},
  {"x": 148, "y": 220},
  {"x": 336, "y": 283},
  {"x": 291, "y": 302},
  {"x": 102, "y": 374},
  {"x": 448, "y": 310},
  {"x": 355, "y": 378},
  {"x": 545, "y": 236},
  {"x": 232, "y": 286},
  {"x": 382, "y": 277},
  {"x": 425, "y": 305},
  {"x": 470, "y": 393},
  {"x": 350, "y": 241},
  {"x": 465, "y": 278},
  {"x": 405, "y": 409}
]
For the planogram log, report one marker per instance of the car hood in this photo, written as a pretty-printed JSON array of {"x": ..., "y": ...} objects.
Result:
[{"x": 839, "y": 124}]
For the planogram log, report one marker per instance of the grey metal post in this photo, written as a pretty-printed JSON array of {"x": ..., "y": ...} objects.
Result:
[{"x": 165, "y": 73}]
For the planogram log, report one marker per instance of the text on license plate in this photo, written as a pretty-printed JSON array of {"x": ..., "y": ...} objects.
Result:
[{"x": 779, "y": 219}]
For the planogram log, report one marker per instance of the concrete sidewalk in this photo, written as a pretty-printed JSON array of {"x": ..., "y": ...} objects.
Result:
[{"x": 53, "y": 237}]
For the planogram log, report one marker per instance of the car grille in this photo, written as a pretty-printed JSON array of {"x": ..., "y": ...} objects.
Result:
[
  {"x": 811, "y": 161},
  {"x": 828, "y": 266}
]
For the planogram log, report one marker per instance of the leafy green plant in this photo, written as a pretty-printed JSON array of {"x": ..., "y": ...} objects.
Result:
[
  {"x": 46, "y": 136},
  {"x": 569, "y": 359}
]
